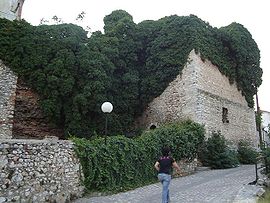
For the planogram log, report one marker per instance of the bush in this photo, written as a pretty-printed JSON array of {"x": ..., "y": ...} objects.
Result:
[
  {"x": 125, "y": 163},
  {"x": 266, "y": 154},
  {"x": 216, "y": 154},
  {"x": 246, "y": 154}
]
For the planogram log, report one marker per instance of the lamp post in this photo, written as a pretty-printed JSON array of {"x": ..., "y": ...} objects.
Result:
[{"x": 106, "y": 108}]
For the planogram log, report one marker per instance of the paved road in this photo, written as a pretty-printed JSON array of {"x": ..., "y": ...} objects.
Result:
[{"x": 214, "y": 186}]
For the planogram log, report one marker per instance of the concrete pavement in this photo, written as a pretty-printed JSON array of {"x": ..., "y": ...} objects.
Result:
[{"x": 213, "y": 186}]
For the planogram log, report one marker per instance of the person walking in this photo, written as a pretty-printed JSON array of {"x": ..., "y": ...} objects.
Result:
[{"x": 164, "y": 167}]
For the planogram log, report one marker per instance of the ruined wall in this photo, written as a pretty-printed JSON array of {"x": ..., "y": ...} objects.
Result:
[
  {"x": 214, "y": 92},
  {"x": 241, "y": 119},
  {"x": 20, "y": 114},
  {"x": 175, "y": 103},
  {"x": 32, "y": 170},
  {"x": 39, "y": 171},
  {"x": 200, "y": 93},
  {"x": 29, "y": 121},
  {"x": 8, "y": 82}
]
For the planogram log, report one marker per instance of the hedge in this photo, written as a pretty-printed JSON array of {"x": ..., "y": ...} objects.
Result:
[{"x": 125, "y": 163}]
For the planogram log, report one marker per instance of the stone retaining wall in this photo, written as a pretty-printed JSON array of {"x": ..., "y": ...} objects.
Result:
[
  {"x": 8, "y": 81},
  {"x": 39, "y": 171},
  {"x": 187, "y": 167}
]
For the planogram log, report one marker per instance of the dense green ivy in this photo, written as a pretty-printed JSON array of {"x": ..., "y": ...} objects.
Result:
[
  {"x": 129, "y": 64},
  {"x": 125, "y": 163}
]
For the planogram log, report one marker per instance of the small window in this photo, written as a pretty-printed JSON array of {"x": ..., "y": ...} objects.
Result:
[{"x": 225, "y": 115}]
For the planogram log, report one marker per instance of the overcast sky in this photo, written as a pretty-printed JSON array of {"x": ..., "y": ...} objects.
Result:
[{"x": 254, "y": 15}]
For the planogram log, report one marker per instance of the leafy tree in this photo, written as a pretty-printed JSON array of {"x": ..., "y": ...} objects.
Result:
[
  {"x": 245, "y": 58},
  {"x": 81, "y": 16},
  {"x": 125, "y": 90}
]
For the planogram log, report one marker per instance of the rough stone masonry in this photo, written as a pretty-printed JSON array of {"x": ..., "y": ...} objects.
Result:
[
  {"x": 201, "y": 93},
  {"x": 39, "y": 171},
  {"x": 20, "y": 113},
  {"x": 8, "y": 82}
]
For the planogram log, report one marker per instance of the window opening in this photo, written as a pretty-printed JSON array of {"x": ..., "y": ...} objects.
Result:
[{"x": 225, "y": 115}]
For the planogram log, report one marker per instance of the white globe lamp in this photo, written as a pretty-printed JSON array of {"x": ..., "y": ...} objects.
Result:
[{"x": 107, "y": 107}]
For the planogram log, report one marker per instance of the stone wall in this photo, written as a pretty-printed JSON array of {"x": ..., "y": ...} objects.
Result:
[
  {"x": 200, "y": 93},
  {"x": 241, "y": 119},
  {"x": 187, "y": 167},
  {"x": 265, "y": 127},
  {"x": 8, "y": 83},
  {"x": 39, "y": 171},
  {"x": 21, "y": 116},
  {"x": 177, "y": 102},
  {"x": 214, "y": 92}
]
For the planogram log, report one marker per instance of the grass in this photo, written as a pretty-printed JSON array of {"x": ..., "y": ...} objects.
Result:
[{"x": 266, "y": 197}]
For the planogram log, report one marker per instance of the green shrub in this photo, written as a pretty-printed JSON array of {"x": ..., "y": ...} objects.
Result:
[
  {"x": 265, "y": 198},
  {"x": 125, "y": 163},
  {"x": 216, "y": 153},
  {"x": 246, "y": 154},
  {"x": 266, "y": 160}
]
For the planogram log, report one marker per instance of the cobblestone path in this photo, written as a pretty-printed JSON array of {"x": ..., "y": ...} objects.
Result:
[{"x": 213, "y": 186}]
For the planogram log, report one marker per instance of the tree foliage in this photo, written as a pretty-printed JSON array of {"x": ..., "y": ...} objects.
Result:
[{"x": 129, "y": 64}]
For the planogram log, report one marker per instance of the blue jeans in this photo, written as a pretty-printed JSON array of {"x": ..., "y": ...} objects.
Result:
[{"x": 165, "y": 180}]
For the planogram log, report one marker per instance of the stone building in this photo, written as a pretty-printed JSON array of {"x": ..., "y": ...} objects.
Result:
[
  {"x": 11, "y": 9},
  {"x": 265, "y": 126},
  {"x": 201, "y": 93}
]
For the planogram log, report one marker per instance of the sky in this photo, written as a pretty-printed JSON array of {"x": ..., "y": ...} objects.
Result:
[{"x": 252, "y": 14}]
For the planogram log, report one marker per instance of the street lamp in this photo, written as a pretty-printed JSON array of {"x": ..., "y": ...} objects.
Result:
[{"x": 106, "y": 108}]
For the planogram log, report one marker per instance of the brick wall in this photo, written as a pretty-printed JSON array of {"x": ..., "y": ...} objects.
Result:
[
  {"x": 29, "y": 121},
  {"x": 20, "y": 113}
]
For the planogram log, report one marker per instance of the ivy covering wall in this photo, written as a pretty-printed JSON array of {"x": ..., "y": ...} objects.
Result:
[
  {"x": 117, "y": 165},
  {"x": 129, "y": 64}
]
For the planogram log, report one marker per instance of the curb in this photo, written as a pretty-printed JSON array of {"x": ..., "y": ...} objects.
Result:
[
  {"x": 249, "y": 194},
  {"x": 201, "y": 168}
]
